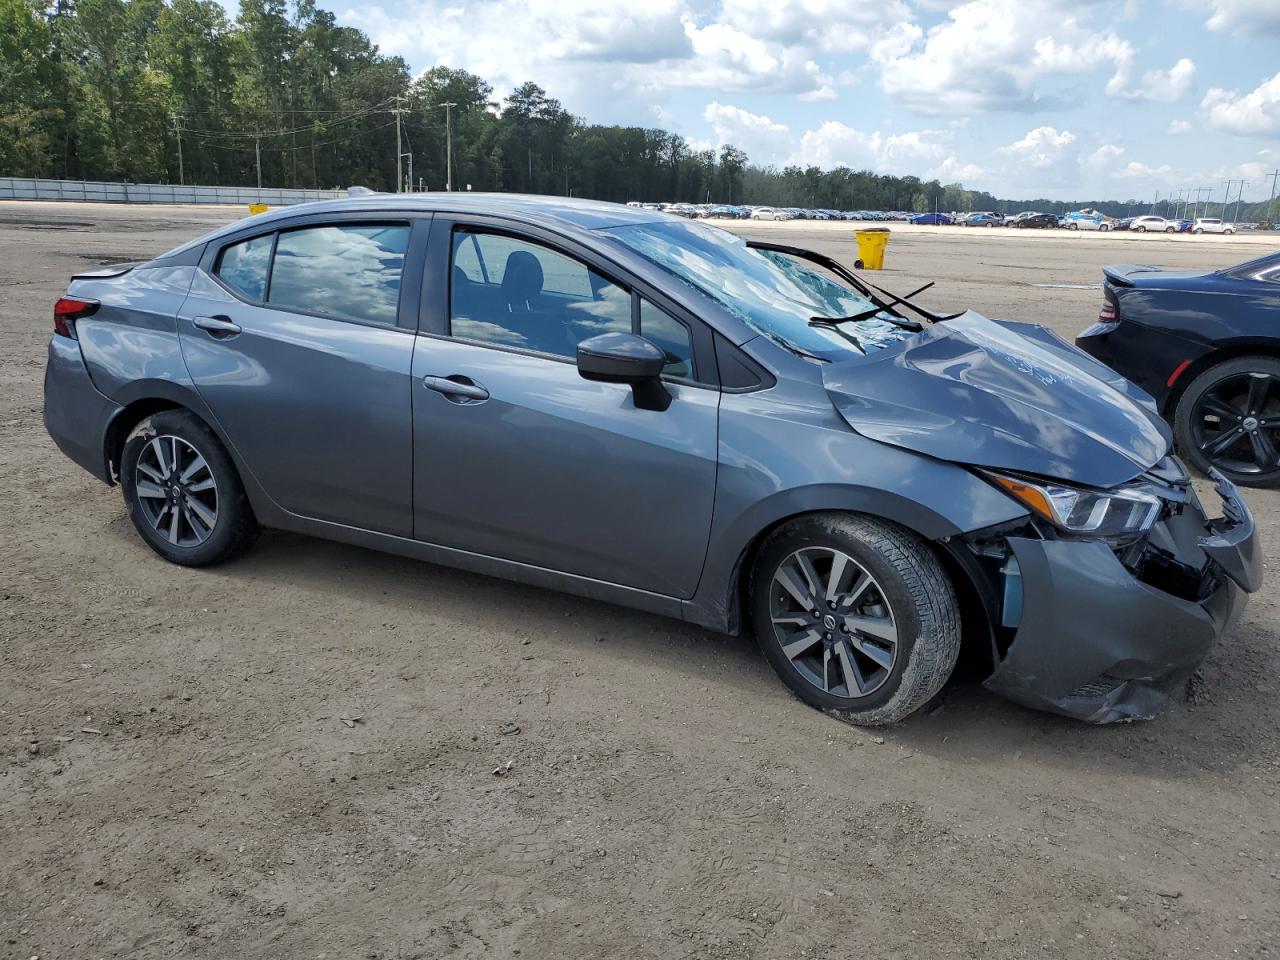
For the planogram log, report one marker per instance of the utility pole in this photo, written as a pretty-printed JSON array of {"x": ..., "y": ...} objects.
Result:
[
  {"x": 1200, "y": 190},
  {"x": 399, "y": 111},
  {"x": 1239, "y": 197},
  {"x": 448, "y": 145},
  {"x": 177, "y": 132},
  {"x": 1274, "y": 175},
  {"x": 257, "y": 155},
  {"x": 1226, "y": 198}
]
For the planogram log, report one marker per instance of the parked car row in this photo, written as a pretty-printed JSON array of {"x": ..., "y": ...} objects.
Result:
[{"x": 724, "y": 211}]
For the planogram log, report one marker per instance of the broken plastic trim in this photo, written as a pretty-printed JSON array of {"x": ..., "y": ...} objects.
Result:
[{"x": 885, "y": 302}]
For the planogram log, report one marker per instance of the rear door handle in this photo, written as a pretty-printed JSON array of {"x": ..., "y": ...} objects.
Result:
[
  {"x": 219, "y": 327},
  {"x": 457, "y": 388}
]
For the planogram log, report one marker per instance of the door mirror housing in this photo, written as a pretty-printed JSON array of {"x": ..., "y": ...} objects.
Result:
[{"x": 626, "y": 358}]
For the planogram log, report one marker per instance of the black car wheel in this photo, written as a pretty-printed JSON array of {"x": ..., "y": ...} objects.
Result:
[
  {"x": 1139, "y": 229},
  {"x": 1229, "y": 418},
  {"x": 856, "y": 615},
  {"x": 182, "y": 491}
]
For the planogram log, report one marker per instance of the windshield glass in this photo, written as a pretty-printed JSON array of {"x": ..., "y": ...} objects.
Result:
[{"x": 773, "y": 293}]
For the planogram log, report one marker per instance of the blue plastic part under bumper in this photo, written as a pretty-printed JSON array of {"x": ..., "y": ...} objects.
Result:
[
  {"x": 75, "y": 413},
  {"x": 1098, "y": 644}
]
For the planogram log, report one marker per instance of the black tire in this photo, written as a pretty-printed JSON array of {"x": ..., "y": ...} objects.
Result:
[
  {"x": 1139, "y": 229},
  {"x": 1170, "y": 229},
  {"x": 1190, "y": 431},
  {"x": 234, "y": 527},
  {"x": 906, "y": 577},
  {"x": 1228, "y": 232},
  {"x": 1073, "y": 226},
  {"x": 1103, "y": 228},
  {"x": 1198, "y": 230}
]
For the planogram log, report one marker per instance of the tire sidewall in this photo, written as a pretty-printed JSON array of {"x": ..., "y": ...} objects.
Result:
[
  {"x": 812, "y": 532},
  {"x": 228, "y": 527}
]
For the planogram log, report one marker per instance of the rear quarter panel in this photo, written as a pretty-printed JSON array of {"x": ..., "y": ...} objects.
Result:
[{"x": 133, "y": 336}]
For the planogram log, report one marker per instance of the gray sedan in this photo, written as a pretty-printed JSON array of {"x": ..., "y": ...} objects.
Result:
[{"x": 648, "y": 410}]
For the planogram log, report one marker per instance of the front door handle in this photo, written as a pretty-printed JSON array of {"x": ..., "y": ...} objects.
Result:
[
  {"x": 218, "y": 327},
  {"x": 457, "y": 388}
]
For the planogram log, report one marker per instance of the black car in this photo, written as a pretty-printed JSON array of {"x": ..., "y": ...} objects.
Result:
[
  {"x": 1206, "y": 346},
  {"x": 1040, "y": 220}
]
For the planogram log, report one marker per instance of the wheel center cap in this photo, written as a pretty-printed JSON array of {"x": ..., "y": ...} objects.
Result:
[
  {"x": 829, "y": 622},
  {"x": 1250, "y": 423}
]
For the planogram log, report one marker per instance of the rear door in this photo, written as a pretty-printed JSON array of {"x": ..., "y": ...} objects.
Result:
[
  {"x": 300, "y": 340},
  {"x": 518, "y": 457}
]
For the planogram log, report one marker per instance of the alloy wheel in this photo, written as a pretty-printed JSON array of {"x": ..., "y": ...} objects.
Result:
[
  {"x": 832, "y": 622},
  {"x": 1236, "y": 423},
  {"x": 176, "y": 491}
]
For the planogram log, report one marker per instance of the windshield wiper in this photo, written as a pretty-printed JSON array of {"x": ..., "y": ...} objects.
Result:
[
  {"x": 885, "y": 302},
  {"x": 885, "y": 313},
  {"x": 834, "y": 326}
]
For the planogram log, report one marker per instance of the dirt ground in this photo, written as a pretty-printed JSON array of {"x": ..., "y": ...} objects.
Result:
[{"x": 179, "y": 780}]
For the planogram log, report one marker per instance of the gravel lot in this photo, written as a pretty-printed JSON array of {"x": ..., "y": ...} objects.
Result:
[{"x": 179, "y": 780}]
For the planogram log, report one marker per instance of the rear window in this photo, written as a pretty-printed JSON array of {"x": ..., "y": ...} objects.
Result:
[
  {"x": 243, "y": 266},
  {"x": 350, "y": 272}
]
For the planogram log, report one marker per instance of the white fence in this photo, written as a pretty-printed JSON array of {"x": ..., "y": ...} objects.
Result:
[{"x": 20, "y": 188}]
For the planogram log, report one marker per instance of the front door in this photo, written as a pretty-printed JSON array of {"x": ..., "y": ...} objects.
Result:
[
  {"x": 293, "y": 340},
  {"x": 516, "y": 456}
]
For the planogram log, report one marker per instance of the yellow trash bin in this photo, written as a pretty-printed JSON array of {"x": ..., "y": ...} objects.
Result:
[
  {"x": 255, "y": 208},
  {"x": 871, "y": 244}
]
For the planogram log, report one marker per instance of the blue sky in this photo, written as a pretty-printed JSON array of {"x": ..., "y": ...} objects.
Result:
[{"x": 1026, "y": 98}]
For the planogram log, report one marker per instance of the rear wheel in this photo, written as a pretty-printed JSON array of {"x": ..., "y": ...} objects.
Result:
[
  {"x": 856, "y": 615},
  {"x": 1229, "y": 418},
  {"x": 182, "y": 491},
  {"x": 1228, "y": 232},
  {"x": 1170, "y": 229}
]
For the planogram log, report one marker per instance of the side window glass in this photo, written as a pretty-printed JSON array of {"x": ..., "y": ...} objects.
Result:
[
  {"x": 243, "y": 267},
  {"x": 517, "y": 293},
  {"x": 669, "y": 334},
  {"x": 349, "y": 272}
]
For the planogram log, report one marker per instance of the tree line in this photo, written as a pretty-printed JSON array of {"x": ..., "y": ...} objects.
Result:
[{"x": 169, "y": 91}]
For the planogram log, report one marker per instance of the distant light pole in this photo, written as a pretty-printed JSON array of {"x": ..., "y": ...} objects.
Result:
[{"x": 448, "y": 139}]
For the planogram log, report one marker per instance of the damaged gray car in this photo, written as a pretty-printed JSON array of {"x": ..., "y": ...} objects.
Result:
[{"x": 650, "y": 411}]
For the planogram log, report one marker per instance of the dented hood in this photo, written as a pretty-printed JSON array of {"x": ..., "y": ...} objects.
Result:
[{"x": 1005, "y": 395}]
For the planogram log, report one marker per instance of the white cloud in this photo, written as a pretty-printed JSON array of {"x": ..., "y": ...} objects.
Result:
[
  {"x": 764, "y": 140},
  {"x": 923, "y": 153},
  {"x": 992, "y": 55},
  {"x": 829, "y": 26},
  {"x": 1178, "y": 126},
  {"x": 1042, "y": 148},
  {"x": 1165, "y": 86},
  {"x": 1251, "y": 17},
  {"x": 1104, "y": 156},
  {"x": 1135, "y": 169},
  {"x": 1256, "y": 113}
]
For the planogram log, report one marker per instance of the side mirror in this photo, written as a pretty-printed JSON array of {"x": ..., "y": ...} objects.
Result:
[{"x": 626, "y": 358}]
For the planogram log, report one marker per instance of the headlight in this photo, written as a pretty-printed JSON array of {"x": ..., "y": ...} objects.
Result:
[{"x": 1098, "y": 513}]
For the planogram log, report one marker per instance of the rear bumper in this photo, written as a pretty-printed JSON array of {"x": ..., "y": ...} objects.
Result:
[
  {"x": 75, "y": 413},
  {"x": 1097, "y": 643}
]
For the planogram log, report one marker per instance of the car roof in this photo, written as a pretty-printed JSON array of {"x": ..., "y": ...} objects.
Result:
[{"x": 570, "y": 211}]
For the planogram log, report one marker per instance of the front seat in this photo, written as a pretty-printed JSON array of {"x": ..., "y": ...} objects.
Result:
[{"x": 537, "y": 327}]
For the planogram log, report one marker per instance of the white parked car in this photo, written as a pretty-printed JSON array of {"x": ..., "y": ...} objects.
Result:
[
  {"x": 1153, "y": 225},
  {"x": 1212, "y": 225},
  {"x": 767, "y": 213}
]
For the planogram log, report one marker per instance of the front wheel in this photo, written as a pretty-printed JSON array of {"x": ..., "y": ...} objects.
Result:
[
  {"x": 1139, "y": 229},
  {"x": 1228, "y": 232},
  {"x": 182, "y": 491},
  {"x": 856, "y": 615},
  {"x": 1229, "y": 418}
]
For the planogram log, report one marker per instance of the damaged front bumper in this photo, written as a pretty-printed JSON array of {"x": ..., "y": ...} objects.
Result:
[{"x": 1103, "y": 635}]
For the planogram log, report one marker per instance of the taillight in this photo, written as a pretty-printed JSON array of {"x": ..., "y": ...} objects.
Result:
[
  {"x": 68, "y": 309},
  {"x": 1107, "y": 312}
]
